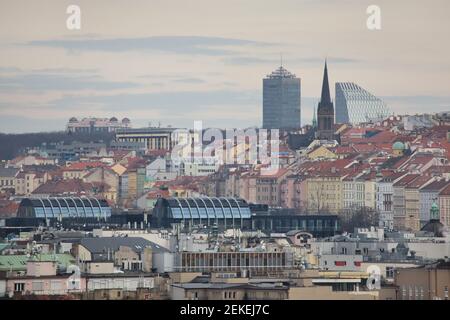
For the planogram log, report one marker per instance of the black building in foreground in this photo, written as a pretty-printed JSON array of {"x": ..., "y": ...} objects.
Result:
[
  {"x": 188, "y": 213},
  {"x": 72, "y": 212},
  {"x": 237, "y": 213}
]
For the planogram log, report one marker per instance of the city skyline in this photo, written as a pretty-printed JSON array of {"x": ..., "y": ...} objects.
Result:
[{"x": 155, "y": 62}]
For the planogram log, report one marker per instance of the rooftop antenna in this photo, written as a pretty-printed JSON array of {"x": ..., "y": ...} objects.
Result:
[{"x": 281, "y": 60}]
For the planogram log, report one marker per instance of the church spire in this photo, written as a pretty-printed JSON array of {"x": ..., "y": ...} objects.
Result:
[
  {"x": 314, "y": 120},
  {"x": 325, "y": 97}
]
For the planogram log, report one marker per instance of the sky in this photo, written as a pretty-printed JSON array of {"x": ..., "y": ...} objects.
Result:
[{"x": 173, "y": 62}]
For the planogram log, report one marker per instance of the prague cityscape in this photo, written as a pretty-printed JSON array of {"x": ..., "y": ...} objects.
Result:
[{"x": 155, "y": 165}]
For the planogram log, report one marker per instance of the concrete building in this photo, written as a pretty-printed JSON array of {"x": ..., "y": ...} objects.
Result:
[
  {"x": 8, "y": 178},
  {"x": 29, "y": 181},
  {"x": 125, "y": 253},
  {"x": 444, "y": 205},
  {"x": 412, "y": 202},
  {"x": 107, "y": 179},
  {"x": 96, "y": 125},
  {"x": 399, "y": 200},
  {"x": 281, "y": 100},
  {"x": 159, "y": 138},
  {"x": 385, "y": 199},
  {"x": 263, "y": 188},
  {"x": 429, "y": 282},
  {"x": 325, "y": 193},
  {"x": 294, "y": 192},
  {"x": 244, "y": 262}
]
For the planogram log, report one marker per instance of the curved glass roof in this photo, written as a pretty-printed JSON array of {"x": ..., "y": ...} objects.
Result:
[
  {"x": 208, "y": 208},
  {"x": 67, "y": 207}
]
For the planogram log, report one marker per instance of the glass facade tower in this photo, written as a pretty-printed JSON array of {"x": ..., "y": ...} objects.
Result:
[{"x": 281, "y": 100}]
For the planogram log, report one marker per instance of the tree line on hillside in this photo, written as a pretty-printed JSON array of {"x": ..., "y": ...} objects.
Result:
[{"x": 11, "y": 145}]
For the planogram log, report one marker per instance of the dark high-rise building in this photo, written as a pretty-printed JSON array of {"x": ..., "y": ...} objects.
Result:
[
  {"x": 281, "y": 100},
  {"x": 325, "y": 111}
]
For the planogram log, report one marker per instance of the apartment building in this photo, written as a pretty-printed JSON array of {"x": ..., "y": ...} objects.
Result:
[
  {"x": 28, "y": 181},
  {"x": 263, "y": 188},
  {"x": 385, "y": 199},
  {"x": 8, "y": 178},
  {"x": 412, "y": 202},
  {"x": 444, "y": 205},
  {"x": 325, "y": 192},
  {"x": 429, "y": 194},
  {"x": 430, "y": 282},
  {"x": 399, "y": 200}
]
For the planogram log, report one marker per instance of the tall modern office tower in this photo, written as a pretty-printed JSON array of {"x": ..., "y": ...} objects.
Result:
[
  {"x": 325, "y": 111},
  {"x": 281, "y": 100},
  {"x": 355, "y": 105}
]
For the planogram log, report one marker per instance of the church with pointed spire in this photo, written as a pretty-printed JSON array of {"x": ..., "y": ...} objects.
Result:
[{"x": 325, "y": 111}]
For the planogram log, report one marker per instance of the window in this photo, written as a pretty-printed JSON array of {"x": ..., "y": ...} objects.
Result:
[
  {"x": 19, "y": 286},
  {"x": 390, "y": 271},
  {"x": 37, "y": 285},
  {"x": 55, "y": 285}
]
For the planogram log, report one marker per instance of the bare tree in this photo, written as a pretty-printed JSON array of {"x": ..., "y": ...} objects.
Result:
[{"x": 359, "y": 218}]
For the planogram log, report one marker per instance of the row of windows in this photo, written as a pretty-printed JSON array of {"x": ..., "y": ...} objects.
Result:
[
  {"x": 303, "y": 224},
  {"x": 209, "y": 213},
  {"x": 73, "y": 212},
  {"x": 6, "y": 183}
]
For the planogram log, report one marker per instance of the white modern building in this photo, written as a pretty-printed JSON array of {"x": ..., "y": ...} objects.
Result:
[
  {"x": 356, "y": 105},
  {"x": 96, "y": 125}
]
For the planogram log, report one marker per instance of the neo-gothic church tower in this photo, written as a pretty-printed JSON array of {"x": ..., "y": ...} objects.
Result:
[{"x": 325, "y": 111}]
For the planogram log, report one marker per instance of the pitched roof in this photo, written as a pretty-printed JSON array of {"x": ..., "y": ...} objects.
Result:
[
  {"x": 8, "y": 172},
  {"x": 8, "y": 208},
  {"x": 137, "y": 244},
  {"x": 19, "y": 262},
  {"x": 406, "y": 180},
  {"x": 393, "y": 177},
  {"x": 81, "y": 166},
  {"x": 418, "y": 182},
  {"x": 64, "y": 186},
  {"x": 445, "y": 191},
  {"x": 436, "y": 185}
]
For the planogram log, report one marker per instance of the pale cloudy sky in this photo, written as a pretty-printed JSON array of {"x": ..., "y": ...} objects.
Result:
[{"x": 176, "y": 61}]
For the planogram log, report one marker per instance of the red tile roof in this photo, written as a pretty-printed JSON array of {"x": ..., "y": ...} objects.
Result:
[
  {"x": 8, "y": 208},
  {"x": 419, "y": 182},
  {"x": 436, "y": 185},
  {"x": 81, "y": 166},
  {"x": 74, "y": 186},
  {"x": 406, "y": 180},
  {"x": 445, "y": 191}
]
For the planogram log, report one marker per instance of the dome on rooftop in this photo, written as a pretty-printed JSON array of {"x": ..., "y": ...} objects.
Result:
[
  {"x": 113, "y": 119},
  {"x": 125, "y": 120},
  {"x": 73, "y": 119},
  {"x": 398, "y": 146}
]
